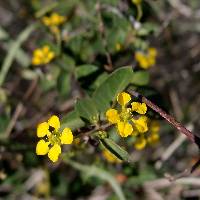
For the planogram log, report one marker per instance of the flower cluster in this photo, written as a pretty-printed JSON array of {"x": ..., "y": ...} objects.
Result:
[
  {"x": 151, "y": 138},
  {"x": 123, "y": 118},
  {"x": 146, "y": 59},
  {"x": 42, "y": 56},
  {"x": 54, "y": 21},
  {"x": 52, "y": 138}
]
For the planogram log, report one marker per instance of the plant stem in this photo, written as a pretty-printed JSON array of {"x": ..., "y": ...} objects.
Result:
[{"x": 192, "y": 137}]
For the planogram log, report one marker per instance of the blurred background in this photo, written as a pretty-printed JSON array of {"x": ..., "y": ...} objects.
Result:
[{"x": 96, "y": 38}]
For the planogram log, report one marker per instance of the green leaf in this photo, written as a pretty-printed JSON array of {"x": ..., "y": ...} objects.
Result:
[
  {"x": 100, "y": 79},
  {"x": 140, "y": 78},
  {"x": 67, "y": 63},
  {"x": 147, "y": 28},
  {"x": 63, "y": 83},
  {"x": 72, "y": 120},
  {"x": 13, "y": 51},
  {"x": 108, "y": 90},
  {"x": 115, "y": 149},
  {"x": 46, "y": 9},
  {"x": 7, "y": 43},
  {"x": 93, "y": 171},
  {"x": 29, "y": 74},
  {"x": 85, "y": 70},
  {"x": 87, "y": 110}
]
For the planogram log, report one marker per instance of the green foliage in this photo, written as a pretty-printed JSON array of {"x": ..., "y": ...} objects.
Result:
[
  {"x": 94, "y": 54},
  {"x": 140, "y": 78},
  {"x": 114, "y": 148},
  {"x": 91, "y": 171},
  {"x": 63, "y": 83},
  {"x": 108, "y": 90},
  {"x": 72, "y": 120},
  {"x": 87, "y": 110},
  {"x": 12, "y": 53},
  {"x": 85, "y": 70}
]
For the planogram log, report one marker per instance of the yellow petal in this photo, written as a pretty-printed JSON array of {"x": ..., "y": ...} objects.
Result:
[
  {"x": 42, "y": 147},
  {"x": 140, "y": 143},
  {"x": 141, "y": 124},
  {"x": 138, "y": 107},
  {"x": 123, "y": 98},
  {"x": 144, "y": 63},
  {"x": 38, "y": 53},
  {"x": 36, "y": 61},
  {"x": 66, "y": 136},
  {"x": 139, "y": 56},
  {"x": 51, "y": 55},
  {"x": 124, "y": 128},
  {"x": 46, "y": 21},
  {"x": 112, "y": 116},
  {"x": 54, "y": 122},
  {"x": 151, "y": 61},
  {"x": 55, "y": 19},
  {"x": 45, "y": 49},
  {"x": 135, "y": 132},
  {"x": 42, "y": 129},
  {"x": 152, "y": 52},
  {"x": 54, "y": 153}
]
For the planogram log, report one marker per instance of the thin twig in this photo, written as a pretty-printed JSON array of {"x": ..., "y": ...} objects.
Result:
[
  {"x": 170, "y": 150},
  {"x": 15, "y": 116},
  {"x": 93, "y": 130},
  {"x": 166, "y": 116},
  {"x": 19, "y": 108},
  {"x": 109, "y": 66}
]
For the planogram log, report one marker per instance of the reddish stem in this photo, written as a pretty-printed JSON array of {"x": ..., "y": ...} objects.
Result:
[{"x": 166, "y": 116}]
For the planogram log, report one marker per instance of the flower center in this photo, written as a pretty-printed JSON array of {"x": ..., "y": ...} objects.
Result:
[
  {"x": 125, "y": 114},
  {"x": 54, "y": 138}
]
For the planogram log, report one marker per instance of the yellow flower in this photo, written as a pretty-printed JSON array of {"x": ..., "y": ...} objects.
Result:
[
  {"x": 124, "y": 128},
  {"x": 53, "y": 138},
  {"x": 141, "y": 124},
  {"x": 140, "y": 143},
  {"x": 42, "y": 55},
  {"x": 53, "y": 20},
  {"x": 152, "y": 52},
  {"x": 138, "y": 107},
  {"x": 123, "y": 118},
  {"x": 110, "y": 157},
  {"x": 146, "y": 59},
  {"x": 123, "y": 98}
]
